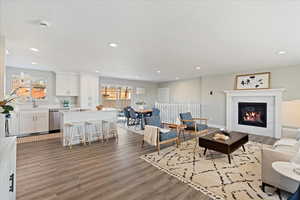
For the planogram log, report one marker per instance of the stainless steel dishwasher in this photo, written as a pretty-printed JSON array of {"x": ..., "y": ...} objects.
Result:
[{"x": 54, "y": 119}]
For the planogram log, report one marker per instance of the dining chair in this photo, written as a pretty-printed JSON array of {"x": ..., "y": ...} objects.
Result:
[
  {"x": 134, "y": 117},
  {"x": 155, "y": 112},
  {"x": 127, "y": 114}
]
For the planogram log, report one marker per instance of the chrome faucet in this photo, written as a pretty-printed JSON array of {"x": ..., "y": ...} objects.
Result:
[{"x": 34, "y": 103}]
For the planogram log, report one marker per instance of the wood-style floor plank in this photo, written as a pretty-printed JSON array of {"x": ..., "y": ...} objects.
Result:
[{"x": 109, "y": 171}]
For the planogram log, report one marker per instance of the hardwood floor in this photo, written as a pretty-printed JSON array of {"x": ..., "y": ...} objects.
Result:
[{"x": 47, "y": 171}]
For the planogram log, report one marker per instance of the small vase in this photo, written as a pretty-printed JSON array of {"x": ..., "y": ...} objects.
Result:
[{"x": 7, "y": 116}]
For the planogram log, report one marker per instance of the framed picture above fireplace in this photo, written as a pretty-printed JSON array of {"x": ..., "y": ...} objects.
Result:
[{"x": 253, "y": 81}]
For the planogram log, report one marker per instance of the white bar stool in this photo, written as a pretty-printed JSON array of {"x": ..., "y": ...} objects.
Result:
[
  {"x": 110, "y": 129},
  {"x": 75, "y": 130},
  {"x": 93, "y": 129}
]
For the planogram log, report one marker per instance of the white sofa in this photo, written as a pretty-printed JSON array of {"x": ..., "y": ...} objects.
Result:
[{"x": 283, "y": 150}]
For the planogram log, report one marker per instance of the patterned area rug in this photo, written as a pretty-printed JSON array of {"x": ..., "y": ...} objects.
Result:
[{"x": 212, "y": 174}]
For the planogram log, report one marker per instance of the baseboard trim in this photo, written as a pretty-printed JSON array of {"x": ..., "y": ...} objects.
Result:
[{"x": 216, "y": 126}]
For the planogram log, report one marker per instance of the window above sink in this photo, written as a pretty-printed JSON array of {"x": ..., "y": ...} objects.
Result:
[{"x": 30, "y": 88}]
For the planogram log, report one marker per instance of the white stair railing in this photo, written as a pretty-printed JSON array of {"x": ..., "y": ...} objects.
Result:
[{"x": 170, "y": 112}]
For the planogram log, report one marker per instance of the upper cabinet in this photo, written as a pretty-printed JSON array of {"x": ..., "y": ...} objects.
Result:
[
  {"x": 89, "y": 90},
  {"x": 67, "y": 84}
]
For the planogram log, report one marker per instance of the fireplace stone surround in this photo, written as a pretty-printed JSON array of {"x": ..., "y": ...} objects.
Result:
[{"x": 273, "y": 100}]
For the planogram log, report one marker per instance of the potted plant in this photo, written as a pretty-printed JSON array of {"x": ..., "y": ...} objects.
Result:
[
  {"x": 66, "y": 103},
  {"x": 6, "y": 108}
]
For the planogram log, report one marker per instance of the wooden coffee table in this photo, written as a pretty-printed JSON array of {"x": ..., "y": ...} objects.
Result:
[{"x": 235, "y": 141}]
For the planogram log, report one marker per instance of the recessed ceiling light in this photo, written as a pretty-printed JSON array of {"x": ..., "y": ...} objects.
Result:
[
  {"x": 281, "y": 52},
  {"x": 158, "y": 71},
  {"x": 7, "y": 52},
  {"x": 34, "y": 49},
  {"x": 198, "y": 68},
  {"x": 177, "y": 78},
  {"x": 113, "y": 45},
  {"x": 34, "y": 63},
  {"x": 97, "y": 71}
]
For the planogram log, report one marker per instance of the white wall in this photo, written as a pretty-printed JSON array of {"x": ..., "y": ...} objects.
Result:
[
  {"x": 2, "y": 55},
  {"x": 2, "y": 66},
  {"x": 214, "y": 105},
  {"x": 184, "y": 91},
  {"x": 291, "y": 113}
]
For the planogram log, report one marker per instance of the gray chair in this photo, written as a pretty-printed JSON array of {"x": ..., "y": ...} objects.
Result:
[
  {"x": 134, "y": 117},
  {"x": 163, "y": 137},
  {"x": 155, "y": 112},
  {"x": 127, "y": 115},
  {"x": 191, "y": 123},
  {"x": 197, "y": 129}
]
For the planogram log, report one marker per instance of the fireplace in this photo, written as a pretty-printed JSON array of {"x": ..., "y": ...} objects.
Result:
[{"x": 252, "y": 114}]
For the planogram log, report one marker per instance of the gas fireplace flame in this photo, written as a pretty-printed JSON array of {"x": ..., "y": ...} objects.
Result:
[{"x": 252, "y": 116}]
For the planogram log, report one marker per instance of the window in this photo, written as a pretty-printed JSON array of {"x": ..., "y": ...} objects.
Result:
[
  {"x": 38, "y": 89},
  {"x": 116, "y": 97},
  {"x": 29, "y": 88},
  {"x": 113, "y": 93}
]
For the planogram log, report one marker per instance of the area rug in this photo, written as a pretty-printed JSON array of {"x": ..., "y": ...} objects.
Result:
[{"x": 212, "y": 174}]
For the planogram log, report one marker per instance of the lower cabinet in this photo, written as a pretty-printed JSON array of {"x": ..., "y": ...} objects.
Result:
[
  {"x": 8, "y": 168},
  {"x": 33, "y": 121},
  {"x": 42, "y": 122}
]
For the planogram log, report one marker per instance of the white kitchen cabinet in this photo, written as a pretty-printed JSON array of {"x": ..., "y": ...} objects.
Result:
[
  {"x": 42, "y": 122},
  {"x": 8, "y": 168},
  {"x": 67, "y": 84},
  {"x": 89, "y": 90},
  {"x": 74, "y": 85},
  {"x": 26, "y": 122},
  {"x": 34, "y": 121}
]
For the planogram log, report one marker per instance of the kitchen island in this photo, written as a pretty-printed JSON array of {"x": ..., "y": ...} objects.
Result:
[{"x": 82, "y": 117}]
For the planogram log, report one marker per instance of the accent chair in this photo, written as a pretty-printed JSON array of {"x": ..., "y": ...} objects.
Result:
[
  {"x": 163, "y": 136},
  {"x": 191, "y": 123},
  {"x": 192, "y": 126}
]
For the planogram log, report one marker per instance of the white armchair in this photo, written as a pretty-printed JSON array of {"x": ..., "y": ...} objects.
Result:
[{"x": 283, "y": 150}]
